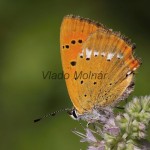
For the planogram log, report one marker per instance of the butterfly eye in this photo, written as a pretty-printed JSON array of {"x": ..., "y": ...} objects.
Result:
[{"x": 73, "y": 114}]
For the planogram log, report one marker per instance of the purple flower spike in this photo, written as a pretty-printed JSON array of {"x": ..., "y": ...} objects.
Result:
[{"x": 125, "y": 131}]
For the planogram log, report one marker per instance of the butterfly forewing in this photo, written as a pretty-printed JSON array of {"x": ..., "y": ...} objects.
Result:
[
  {"x": 74, "y": 31},
  {"x": 108, "y": 60}
]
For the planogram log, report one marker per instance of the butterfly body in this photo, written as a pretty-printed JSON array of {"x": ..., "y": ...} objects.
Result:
[{"x": 100, "y": 63}]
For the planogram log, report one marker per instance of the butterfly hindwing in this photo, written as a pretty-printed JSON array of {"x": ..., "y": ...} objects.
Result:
[{"x": 108, "y": 60}]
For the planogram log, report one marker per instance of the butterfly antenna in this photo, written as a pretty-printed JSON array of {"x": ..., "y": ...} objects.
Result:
[{"x": 51, "y": 114}]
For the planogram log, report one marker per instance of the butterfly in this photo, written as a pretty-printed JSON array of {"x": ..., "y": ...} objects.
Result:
[{"x": 100, "y": 64}]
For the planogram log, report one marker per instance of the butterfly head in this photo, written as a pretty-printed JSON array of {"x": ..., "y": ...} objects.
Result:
[
  {"x": 95, "y": 115},
  {"x": 73, "y": 114}
]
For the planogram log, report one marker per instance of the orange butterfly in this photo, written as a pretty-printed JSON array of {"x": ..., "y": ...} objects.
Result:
[{"x": 100, "y": 63}]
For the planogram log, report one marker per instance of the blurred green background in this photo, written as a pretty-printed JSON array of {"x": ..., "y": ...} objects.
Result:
[{"x": 29, "y": 44}]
